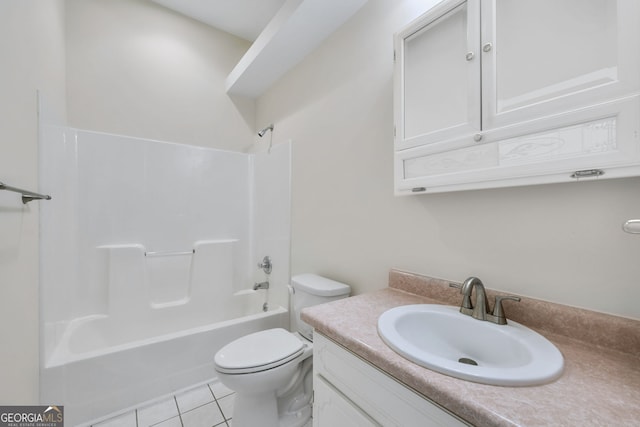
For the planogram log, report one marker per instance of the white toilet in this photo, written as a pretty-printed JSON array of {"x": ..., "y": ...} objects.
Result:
[{"x": 271, "y": 370}]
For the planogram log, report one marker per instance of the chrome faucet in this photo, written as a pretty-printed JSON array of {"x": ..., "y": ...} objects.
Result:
[
  {"x": 261, "y": 285},
  {"x": 480, "y": 310}
]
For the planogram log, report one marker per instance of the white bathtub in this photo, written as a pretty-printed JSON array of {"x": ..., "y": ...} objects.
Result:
[{"x": 93, "y": 378}]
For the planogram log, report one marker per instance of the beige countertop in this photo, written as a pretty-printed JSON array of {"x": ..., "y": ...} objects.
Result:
[{"x": 600, "y": 386}]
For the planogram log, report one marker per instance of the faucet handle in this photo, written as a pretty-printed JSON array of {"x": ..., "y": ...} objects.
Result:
[
  {"x": 266, "y": 264},
  {"x": 498, "y": 309},
  {"x": 466, "y": 300}
]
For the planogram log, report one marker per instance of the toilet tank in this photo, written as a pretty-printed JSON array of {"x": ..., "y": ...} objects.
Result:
[{"x": 309, "y": 290}]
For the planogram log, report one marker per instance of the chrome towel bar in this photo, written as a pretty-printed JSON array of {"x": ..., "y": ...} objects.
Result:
[{"x": 27, "y": 195}]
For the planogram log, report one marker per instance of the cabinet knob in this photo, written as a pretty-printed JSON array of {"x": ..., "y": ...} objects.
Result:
[
  {"x": 469, "y": 56},
  {"x": 487, "y": 47},
  {"x": 477, "y": 137}
]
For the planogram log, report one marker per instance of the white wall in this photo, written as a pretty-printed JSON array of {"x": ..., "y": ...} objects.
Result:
[
  {"x": 32, "y": 56},
  {"x": 136, "y": 68},
  {"x": 555, "y": 242}
]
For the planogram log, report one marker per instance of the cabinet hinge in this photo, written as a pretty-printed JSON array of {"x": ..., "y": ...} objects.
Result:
[
  {"x": 394, "y": 131},
  {"x": 394, "y": 55}
]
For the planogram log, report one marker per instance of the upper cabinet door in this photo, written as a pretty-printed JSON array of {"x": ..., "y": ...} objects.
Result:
[
  {"x": 542, "y": 57},
  {"x": 437, "y": 75}
]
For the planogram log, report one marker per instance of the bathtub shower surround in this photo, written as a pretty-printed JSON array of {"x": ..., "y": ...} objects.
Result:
[{"x": 148, "y": 257}]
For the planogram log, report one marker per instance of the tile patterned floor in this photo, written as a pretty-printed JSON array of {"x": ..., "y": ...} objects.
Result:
[{"x": 209, "y": 405}]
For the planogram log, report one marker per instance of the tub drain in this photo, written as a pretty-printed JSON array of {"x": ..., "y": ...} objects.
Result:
[{"x": 468, "y": 361}]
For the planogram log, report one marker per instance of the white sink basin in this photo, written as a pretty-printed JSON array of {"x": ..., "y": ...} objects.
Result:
[{"x": 441, "y": 338}]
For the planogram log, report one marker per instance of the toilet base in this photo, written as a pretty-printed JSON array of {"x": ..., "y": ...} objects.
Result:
[
  {"x": 255, "y": 410},
  {"x": 261, "y": 410},
  {"x": 294, "y": 404},
  {"x": 289, "y": 406},
  {"x": 298, "y": 419}
]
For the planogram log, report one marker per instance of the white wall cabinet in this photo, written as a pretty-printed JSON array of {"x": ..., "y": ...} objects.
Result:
[
  {"x": 495, "y": 93},
  {"x": 350, "y": 391}
]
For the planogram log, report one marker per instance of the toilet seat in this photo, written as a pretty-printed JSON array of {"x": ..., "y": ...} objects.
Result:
[{"x": 258, "y": 352}]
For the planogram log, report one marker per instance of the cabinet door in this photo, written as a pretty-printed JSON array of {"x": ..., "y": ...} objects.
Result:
[
  {"x": 437, "y": 75},
  {"x": 331, "y": 408},
  {"x": 380, "y": 399},
  {"x": 543, "y": 57}
]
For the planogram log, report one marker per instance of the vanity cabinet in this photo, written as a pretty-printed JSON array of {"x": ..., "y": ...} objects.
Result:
[
  {"x": 494, "y": 93},
  {"x": 350, "y": 391}
]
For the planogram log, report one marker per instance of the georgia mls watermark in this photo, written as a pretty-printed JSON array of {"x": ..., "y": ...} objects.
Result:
[{"x": 32, "y": 416}]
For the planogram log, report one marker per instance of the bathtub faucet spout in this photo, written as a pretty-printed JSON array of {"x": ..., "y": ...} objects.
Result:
[{"x": 261, "y": 285}]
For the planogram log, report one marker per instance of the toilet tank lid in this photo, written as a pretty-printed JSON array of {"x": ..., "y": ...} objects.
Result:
[{"x": 320, "y": 286}]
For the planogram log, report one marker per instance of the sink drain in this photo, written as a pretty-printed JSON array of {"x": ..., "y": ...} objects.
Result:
[{"x": 468, "y": 361}]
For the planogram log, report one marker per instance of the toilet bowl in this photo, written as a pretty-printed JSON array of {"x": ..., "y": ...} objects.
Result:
[{"x": 271, "y": 370}]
